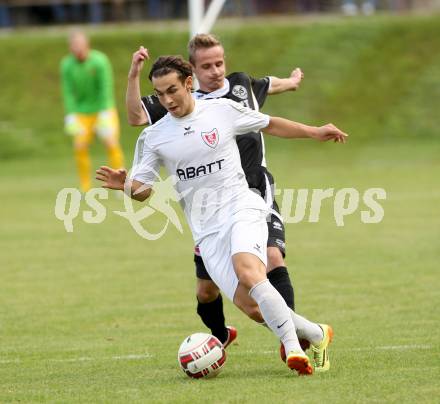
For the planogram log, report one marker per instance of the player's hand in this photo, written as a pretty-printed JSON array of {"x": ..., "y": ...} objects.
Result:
[
  {"x": 296, "y": 77},
  {"x": 72, "y": 126},
  {"x": 104, "y": 124},
  {"x": 111, "y": 178},
  {"x": 330, "y": 132},
  {"x": 137, "y": 62}
]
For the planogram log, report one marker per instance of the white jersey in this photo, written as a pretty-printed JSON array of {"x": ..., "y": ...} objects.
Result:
[{"x": 201, "y": 152}]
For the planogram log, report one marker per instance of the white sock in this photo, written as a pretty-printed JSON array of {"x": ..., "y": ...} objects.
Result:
[
  {"x": 276, "y": 314},
  {"x": 305, "y": 329}
]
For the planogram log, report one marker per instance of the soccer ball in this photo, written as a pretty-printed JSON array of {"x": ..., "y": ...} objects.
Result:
[{"x": 201, "y": 355}]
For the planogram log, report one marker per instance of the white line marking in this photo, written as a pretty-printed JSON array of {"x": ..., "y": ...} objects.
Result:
[
  {"x": 5, "y": 361},
  {"x": 402, "y": 347},
  {"x": 87, "y": 358},
  {"x": 132, "y": 357},
  {"x": 377, "y": 348},
  {"x": 236, "y": 352},
  {"x": 80, "y": 359}
]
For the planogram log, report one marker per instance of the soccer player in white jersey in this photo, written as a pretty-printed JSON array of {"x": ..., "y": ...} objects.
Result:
[
  {"x": 206, "y": 55},
  {"x": 227, "y": 219}
]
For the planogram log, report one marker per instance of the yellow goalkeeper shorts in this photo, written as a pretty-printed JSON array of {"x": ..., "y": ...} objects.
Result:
[{"x": 90, "y": 124}]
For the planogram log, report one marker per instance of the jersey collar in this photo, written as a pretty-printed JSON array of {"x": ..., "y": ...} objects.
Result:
[
  {"x": 186, "y": 117},
  {"x": 221, "y": 92}
]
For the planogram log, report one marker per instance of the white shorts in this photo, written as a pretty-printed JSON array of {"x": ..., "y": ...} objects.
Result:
[{"x": 246, "y": 232}]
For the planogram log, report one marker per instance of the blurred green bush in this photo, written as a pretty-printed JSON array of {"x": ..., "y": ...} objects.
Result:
[{"x": 374, "y": 77}]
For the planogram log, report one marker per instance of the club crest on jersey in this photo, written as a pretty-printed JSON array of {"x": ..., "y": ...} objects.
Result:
[
  {"x": 211, "y": 138},
  {"x": 240, "y": 92}
]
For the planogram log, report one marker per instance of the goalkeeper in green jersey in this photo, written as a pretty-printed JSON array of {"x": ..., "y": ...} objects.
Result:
[{"x": 87, "y": 85}]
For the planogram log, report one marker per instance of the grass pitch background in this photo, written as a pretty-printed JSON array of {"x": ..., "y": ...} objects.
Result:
[{"x": 97, "y": 315}]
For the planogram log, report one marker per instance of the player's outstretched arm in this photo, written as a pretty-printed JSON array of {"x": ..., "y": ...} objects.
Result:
[
  {"x": 291, "y": 83},
  {"x": 135, "y": 113},
  {"x": 115, "y": 179},
  {"x": 289, "y": 129}
]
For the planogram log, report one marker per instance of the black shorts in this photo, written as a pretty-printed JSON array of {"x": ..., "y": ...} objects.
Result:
[{"x": 276, "y": 233}]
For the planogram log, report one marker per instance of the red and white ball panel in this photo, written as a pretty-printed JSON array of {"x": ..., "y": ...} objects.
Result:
[{"x": 201, "y": 355}]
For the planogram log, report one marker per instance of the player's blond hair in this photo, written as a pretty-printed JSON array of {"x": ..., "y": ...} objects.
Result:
[{"x": 201, "y": 41}]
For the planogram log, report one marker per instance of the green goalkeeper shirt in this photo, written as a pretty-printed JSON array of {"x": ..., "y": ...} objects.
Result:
[{"x": 87, "y": 86}]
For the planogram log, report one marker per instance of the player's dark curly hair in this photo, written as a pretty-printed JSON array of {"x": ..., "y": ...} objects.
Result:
[{"x": 171, "y": 63}]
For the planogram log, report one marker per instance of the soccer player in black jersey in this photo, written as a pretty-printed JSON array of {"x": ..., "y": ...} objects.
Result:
[{"x": 206, "y": 55}]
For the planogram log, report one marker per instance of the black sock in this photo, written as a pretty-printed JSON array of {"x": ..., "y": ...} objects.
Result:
[
  {"x": 212, "y": 316},
  {"x": 280, "y": 280}
]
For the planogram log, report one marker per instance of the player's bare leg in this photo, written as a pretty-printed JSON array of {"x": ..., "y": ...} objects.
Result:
[
  {"x": 207, "y": 290},
  {"x": 210, "y": 302},
  {"x": 251, "y": 273}
]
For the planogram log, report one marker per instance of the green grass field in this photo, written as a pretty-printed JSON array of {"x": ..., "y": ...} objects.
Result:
[{"x": 97, "y": 315}]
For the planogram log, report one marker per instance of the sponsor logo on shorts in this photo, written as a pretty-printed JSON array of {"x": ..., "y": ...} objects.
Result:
[
  {"x": 277, "y": 226},
  {"x": 258, "y": 247},
  {"x": 280, "y": 243},
  {"x": 240, "y": 92}
]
